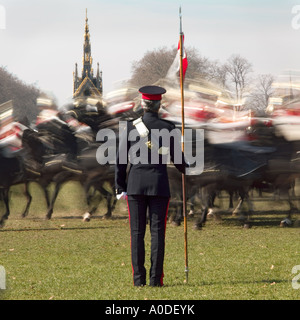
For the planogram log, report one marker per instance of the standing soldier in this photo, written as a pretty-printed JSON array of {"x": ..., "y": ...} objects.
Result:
[{"x": 146, "y": 186}]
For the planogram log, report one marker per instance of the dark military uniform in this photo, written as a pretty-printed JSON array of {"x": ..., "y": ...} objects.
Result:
[{"x": 147, "y": 187}]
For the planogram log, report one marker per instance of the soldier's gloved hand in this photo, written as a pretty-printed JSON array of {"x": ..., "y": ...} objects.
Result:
[{"x": 122, "y": 196}]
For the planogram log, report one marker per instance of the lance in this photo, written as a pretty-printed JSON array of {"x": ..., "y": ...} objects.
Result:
[{"x": 182, "y": 145}]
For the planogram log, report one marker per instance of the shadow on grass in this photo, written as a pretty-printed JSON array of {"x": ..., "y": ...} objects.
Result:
[
  {"x": 259, "y": 219},
  {"x": 224, "y": 283},
  {"x": 86, "y": 225},
  {"x": 263, "y": 282},
  {"x": 51, "y": 229},
  {"x": 115, "y": 217}
]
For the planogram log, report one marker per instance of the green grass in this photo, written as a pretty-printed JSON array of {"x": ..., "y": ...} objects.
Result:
[{"x": 65, "y": 258}]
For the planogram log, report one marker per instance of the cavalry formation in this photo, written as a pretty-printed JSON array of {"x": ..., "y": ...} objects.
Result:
[{"x": 241, "y": 152}]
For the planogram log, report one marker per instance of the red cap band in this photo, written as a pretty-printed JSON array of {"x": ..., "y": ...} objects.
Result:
[{"x": 151, "y": 96}]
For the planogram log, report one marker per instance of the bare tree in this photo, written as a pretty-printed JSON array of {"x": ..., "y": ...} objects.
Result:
[
  {"x": 219, "y": 74},
  {"x": 261, "y": 93},
  {"x": 238, "y": 69},
  {"x": 199, "y": 66},
  {"x": 155, "y": 66},
  {"x": 232, "y": 76}
]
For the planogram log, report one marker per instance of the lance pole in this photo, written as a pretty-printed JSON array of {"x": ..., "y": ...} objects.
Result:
[{"x": 182, "y": 146}]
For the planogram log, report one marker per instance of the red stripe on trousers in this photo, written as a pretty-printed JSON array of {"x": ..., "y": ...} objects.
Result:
[{"x": 166, "y": 217}]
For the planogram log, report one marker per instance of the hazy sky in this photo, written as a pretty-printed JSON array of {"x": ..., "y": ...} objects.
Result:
[{"x": 42, "y": 40}]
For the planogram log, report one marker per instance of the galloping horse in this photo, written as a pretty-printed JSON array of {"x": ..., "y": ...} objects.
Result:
[
  {"x": 14, "y": 171},
  {"x": 244, "y": 165}
]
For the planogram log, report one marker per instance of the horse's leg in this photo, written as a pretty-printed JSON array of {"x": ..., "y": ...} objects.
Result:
[
  {"x": 6, "y": 201},
  {"x": 192, "y": 200},
  {"x": 230, "y": 199},
  {"x": 212, "y": 199},
  {"x": 44, "y": 184},
  {"x": 178, "y": 209},
  {"x": 54, "y": 196},
  {"x": 208, "y": 201},
  {"x": 108, "y": 196},
  {"x": 293, "y": 186},
  {"x": 47, "y": 197},
  {"x": 88, "y": 197},
  {"x": 247, "y": 223},
  {"x": 238, "y": 207},
  {"x": 201, "y": 221},
  {"x": 58, "y": 180},
  {"x": 192, "y": 205},
  {"x": 5, "y": 194},
  {"x": 29, "y": 199},
  {"x": 287, "y": 222},
  {"x": 114, "y": 202},
  {"x": 2, "y": 217}
]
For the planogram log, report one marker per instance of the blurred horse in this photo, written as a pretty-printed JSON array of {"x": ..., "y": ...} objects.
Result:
[
  {"x": 14, "y": 171},
  {"x": 243, "y": 165},
  {"x": 90, "y": 174}
]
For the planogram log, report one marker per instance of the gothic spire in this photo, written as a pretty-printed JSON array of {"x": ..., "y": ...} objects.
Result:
[
  {"x": 87, "y": 57},
  {"x": 87, "y": 83}
]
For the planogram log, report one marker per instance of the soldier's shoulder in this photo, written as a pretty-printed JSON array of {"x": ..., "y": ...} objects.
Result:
[
  {"x": 130, "y": 123},
  {"x": 171, "y": 125}
]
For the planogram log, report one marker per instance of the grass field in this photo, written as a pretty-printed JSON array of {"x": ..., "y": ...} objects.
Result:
[{"x": 65, "y": 258}]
